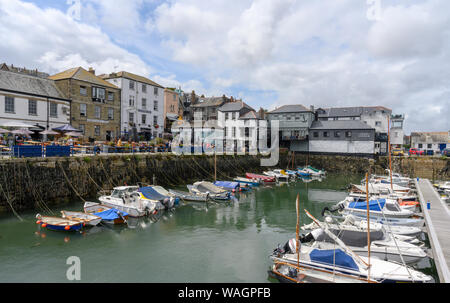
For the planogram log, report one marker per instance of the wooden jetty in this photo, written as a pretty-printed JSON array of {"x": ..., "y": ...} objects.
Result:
[{"x": 437, "y": 221}]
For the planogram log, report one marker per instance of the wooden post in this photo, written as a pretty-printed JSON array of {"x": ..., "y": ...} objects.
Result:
[
  {"x": 368, "y": 225},
  {"x": 298, "y": 229},
  {"x": 215, "y": 166}
]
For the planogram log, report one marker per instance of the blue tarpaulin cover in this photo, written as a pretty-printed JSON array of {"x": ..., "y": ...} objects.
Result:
[
  {"x": 227, "y": 184},
  {"x": 340, "y": 258},
  {"x": 151, "y": 194},
  {"x": 110, "y": 214},
  {"x": 373, "y": 205}
]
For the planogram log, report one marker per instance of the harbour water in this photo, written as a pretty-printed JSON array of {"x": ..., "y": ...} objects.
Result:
[{"x": 196, "y": 243}]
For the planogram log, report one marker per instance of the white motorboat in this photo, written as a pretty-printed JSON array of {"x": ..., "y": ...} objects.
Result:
[
  {"x": 207, "y": 188},
  {"x": 128, "y": 199},
  {"x": 383, "y": 208},
  {"x": 382, "y": 245},
  {"x": 88, "y": 219},
  {"x": 278, "y": 174},
  {"x": 312, "y": 171}
]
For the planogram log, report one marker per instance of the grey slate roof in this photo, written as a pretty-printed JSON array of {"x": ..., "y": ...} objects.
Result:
[
  {"x": 295, "y": 108},
  {"x": 349, "y": 124},
  {"x": 355, "y": 111},
  {"x": 251, "y": 115},
  {"x": 207, "y": 102},
  {"x": 29, "y": 85},
  {"x": 234, "y": 106}
]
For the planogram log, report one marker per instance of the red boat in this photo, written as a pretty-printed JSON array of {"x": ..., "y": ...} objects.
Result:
[{"x": 261, "y": 177}]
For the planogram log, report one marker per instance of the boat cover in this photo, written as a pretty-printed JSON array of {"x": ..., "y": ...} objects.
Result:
[
  {"x": 337, "y": 257},
  {"x": 227, "y": 184},
  {"x": 373, "y": 205},
  {"x": 151, "y": 194},
  {"x": 111, "y": 214}
]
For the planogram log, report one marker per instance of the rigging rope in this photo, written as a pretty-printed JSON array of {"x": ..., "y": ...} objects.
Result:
[{"x": 68, "y": 182}]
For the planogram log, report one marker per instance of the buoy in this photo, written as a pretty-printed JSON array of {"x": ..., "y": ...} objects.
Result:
[
  {"x": 67, "y": 227},
  {"x": 44, "y": 225},
  {"x": 38, "y": 222},
  {"x": 155, "y": 212}
]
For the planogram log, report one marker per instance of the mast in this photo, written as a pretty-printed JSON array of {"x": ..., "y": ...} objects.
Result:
[
  {"x": 390, "y": 161},
  {"x": 298, "y": 230},
  {"x": 368, "y": 225},
  {"x": 215, "y": 166}
]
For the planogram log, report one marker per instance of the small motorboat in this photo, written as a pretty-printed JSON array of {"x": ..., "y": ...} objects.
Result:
[
  {"x": 252, "y": 182},
  {"x": 262, "y": 178},
  {"x": 278, "y": 174},
  {"x": 107, "y": 214},
  {"x": 161, "y": 190},
  {"x": 59, "y": 224},
  {"x": 313, "y": 171},
  {"x": 214, "y": 192},
  {"x": 382, "y": 208},
  {"x": 88, "y": 219},
  {"x": 230, "y": 186},
  {"x": 186, "y": 196}
]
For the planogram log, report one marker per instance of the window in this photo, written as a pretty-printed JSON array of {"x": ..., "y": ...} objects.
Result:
[
  {"x": 144, "y": 119},
  {"x": 227, "y": 116},
  {"x": 32, "y": 107},
  {"x": 83, "y": 110},
  {"x": 326, "y": 134},
  {"x": 131, "y": 117},
  {"x": 131, "y": 85},
  {"x": 131, "y": 102},
  {"x": 155, "y": 105},
  {"x": 337, "y": 134},
  {"x": 288, "y": 118},
  {"x": 234, "y": 132},
  {"x": 110, "y": 113},
  {"x": 348, "y": 134},
  {"x": 53, "y": 110},
  {"x": 155, "y": 120},
  {"x": 430, "y": 145},
  {"x": 97, "y": 130},
  {"x": 155, "y": 90},
  {"x": 110, "y": 96},
  {"x": 316, "y": 134},
  {"x": 9, "y": 105},
  {"x": 420, "y": 145},
  {"x": 378, "y": 123},
  {"x": 83, "y": 90},
  {"x": 144, "y": 103},
  {"x": 98, "y": 112},
  {"x": 82, "y": 128},
  {"x": 144, "y": 88},
  {"x": 98, "y": 93}
]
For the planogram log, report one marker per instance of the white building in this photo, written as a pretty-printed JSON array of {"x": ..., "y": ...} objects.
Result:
[
  {"x": 430, "y": 141},
  {"x": 142, "y": 108},
  {"x": 32, "y": 100}
]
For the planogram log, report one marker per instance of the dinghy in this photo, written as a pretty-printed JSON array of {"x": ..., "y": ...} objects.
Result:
[
  {"x": 186, "y": 196},
  {"x": 278, "y": 175},
  {"x": 88, "y": 219},
  {"x": 252, "y": 182},
  {"x": 214, "y": 192},
  {"x": 108, "y": 215},
  {"x": 226, "y": 185},
  {"x": 59, "y": 224},
  {"x": 262, "y": 178}
]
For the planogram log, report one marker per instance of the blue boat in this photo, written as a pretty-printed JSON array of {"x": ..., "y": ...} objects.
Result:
[
  {"x": 113, "y": 216},
  {"x": 247, "y": 181},
  {"x": 151, "y": 193},
  {"x": 227, "y": 185},
  {"x": 59, "y": 224}
]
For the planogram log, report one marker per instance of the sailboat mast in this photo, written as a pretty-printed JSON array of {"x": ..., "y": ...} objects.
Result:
[
  {"x": 390, "y": 161},
  {"x": 215, "y": 166},
  {"x": 298, "y": 229},
  {"x": 368, "y": 225}
]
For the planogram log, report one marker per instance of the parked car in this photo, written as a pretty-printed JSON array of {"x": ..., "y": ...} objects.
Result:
[
  {"x": 398, "y": 152},
  {"x": 415, "y": 151},
  {"x": 446, "y": 152}
]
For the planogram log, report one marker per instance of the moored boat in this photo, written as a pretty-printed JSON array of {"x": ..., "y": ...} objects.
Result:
[
  {"x": 263, "y": 178},
  {"x": 107, "y": 214},
  {"x": 252, "y": 182},
  {"x": 59, "y": 224},
  {"x": 186, "y": 196},
  {"x": 88, "y": 219}
]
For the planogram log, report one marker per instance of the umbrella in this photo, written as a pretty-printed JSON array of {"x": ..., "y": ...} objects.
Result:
[
  {"x": 66, "y": 128},
  {"x": 3, "y": 131},
  {"x": 21, "y": 132},
  {"x": 49, "y": 132},
  {"x": 16, "y": 124},
  {"x": 74, "y": 134}
]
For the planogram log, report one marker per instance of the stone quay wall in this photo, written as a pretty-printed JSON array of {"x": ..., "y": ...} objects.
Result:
[{"x": 39, "y": 184}]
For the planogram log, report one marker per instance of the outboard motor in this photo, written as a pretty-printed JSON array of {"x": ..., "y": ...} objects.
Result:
[{"x": 334, "y": 208}]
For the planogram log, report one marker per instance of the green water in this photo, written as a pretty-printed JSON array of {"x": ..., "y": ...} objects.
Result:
[{"x": 198, "y": 242}]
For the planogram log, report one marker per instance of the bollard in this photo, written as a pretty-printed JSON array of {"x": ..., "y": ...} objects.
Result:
[{"x": 428, "y": 205}]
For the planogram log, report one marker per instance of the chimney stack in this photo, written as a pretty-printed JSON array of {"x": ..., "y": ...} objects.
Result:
[{"x": 92, "y": 71}]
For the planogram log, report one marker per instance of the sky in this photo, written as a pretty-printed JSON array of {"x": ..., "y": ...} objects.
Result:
[{"x": 270, "y": 53}]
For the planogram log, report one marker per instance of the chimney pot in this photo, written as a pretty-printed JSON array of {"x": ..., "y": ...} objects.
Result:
[{"x": 91, "y": 70}]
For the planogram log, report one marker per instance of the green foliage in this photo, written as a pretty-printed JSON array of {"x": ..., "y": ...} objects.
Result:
[{"x": 87, "y": 159}]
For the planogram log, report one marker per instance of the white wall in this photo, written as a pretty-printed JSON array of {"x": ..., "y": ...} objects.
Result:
[
  {"x": 124, "y": 84},
  {"x": 21, "y": 112},
  {"x": 377, "y": 117},
  {"x": 350, "y": 147}
]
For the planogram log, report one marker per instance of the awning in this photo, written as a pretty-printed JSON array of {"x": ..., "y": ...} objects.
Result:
[{"x": 172, "y": 117}]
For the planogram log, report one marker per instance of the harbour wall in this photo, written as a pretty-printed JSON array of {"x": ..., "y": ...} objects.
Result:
[{"x": 39, "y": 184}]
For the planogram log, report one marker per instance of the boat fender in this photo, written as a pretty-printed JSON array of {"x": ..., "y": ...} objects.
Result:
[
  {"x": 67, "y": 227},
  {"x": 44, "y": 225},
  {"x": 38, "y": 222}
]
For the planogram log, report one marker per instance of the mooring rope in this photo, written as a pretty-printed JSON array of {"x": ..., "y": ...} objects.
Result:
[
  {"x": 38, "y": 199},
  {"x": 106, "y": 174},
  {"x": 67, "y": 179},
  {"x": 10, "y": 203}
]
